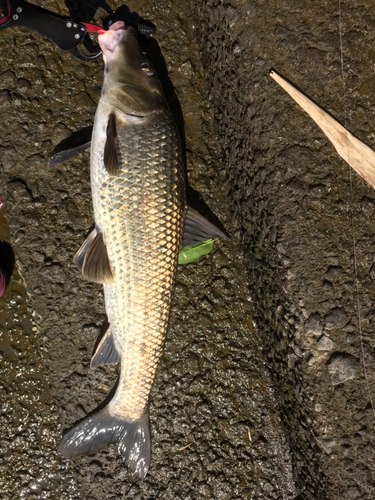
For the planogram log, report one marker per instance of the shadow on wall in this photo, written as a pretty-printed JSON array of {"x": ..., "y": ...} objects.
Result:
[{"x": 6, "y": 265}]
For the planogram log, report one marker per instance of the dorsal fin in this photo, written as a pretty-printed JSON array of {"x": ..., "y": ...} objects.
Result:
[
  {"x": 106, "y": 352},
  {"x": 111, "y": 160},
  {"x": 92, "y": 259},
  {"x": 198, "y": 229}
]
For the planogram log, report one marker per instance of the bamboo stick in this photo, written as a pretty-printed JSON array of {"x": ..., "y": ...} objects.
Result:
[{"x": 353, "y": 151}]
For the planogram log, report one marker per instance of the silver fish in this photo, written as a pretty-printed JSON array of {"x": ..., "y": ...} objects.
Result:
[{"x": 138, "y": 193}]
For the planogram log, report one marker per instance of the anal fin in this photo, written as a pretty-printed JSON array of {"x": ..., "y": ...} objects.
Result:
[
  {"x": 92, "y": 259},
  {"x": 198, "y": 229},
  {"x": 106, "y": 352}
]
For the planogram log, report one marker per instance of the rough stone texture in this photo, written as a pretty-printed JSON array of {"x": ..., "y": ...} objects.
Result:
[
  {"x": 306, "y": 220},
  {"x": 215, "y": 429},
  {"x": 250, "y": 150},
  {"x": 342, "y": 367}
]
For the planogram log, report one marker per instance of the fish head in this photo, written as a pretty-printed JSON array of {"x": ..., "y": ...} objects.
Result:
[{"x": 130, "y": 80}]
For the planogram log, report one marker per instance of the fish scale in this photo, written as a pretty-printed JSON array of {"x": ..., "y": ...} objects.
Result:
[
  {"x": 141, "y": 216},
  {"x": 138, "y": 194}
]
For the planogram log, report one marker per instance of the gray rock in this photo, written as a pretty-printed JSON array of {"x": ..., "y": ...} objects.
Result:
[
  {"x": 23, "y": 85},
  {"x": 342, "y": 367},
  {"x": 5, "y": 98},
  {"x": 325, "y": 344},
  {"x": 332, "y": 273},
  {"x": 7, "y": 80},
  {"x": 350, "y": 338},
  {"x": 314, "y": 324},
  {"x": 336, "y": 318},
  {"x": 328, "y": 445}
]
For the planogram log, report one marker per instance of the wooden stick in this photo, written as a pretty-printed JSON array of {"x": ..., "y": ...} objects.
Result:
[
  {"x": 249, "y": 435},
  {"x": 353, "y": 151},
  {"x": 184, "y": 447}
]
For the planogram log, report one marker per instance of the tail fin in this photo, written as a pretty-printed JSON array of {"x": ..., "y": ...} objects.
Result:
[{"x": 102, "y": 429}]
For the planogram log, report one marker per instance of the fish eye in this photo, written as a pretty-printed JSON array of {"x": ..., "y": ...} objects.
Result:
[{"x": 147, "y": 68}]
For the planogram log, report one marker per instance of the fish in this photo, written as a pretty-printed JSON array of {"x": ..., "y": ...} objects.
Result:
[{"x": 139, "y": 200}]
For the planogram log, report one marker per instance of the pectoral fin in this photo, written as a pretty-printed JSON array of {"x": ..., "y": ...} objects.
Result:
[
  {"x": 111, "y": 160},
  {"x": 80, "y": 255},
  {"x": 198, "y": 229},
  {"x": 106, "y": 352},
  {"x": 92, "y": 259},
  {"x": 58, "y": 158}
]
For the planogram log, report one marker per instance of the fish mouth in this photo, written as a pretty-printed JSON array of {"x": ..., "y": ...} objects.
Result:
[
  {"x": 111, "y": 38},
  {"x": 118, "y": 25}
]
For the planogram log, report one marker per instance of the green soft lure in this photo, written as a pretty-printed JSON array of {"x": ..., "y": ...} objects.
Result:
[{"x": 195, "y": 252}]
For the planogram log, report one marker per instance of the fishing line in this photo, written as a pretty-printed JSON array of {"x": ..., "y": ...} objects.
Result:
[{"x": 351, "y": 208}]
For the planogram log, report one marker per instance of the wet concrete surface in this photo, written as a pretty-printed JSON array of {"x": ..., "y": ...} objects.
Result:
[
  {"x": 262, "y": 376},
  {"x": 302, "y": 213}
]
